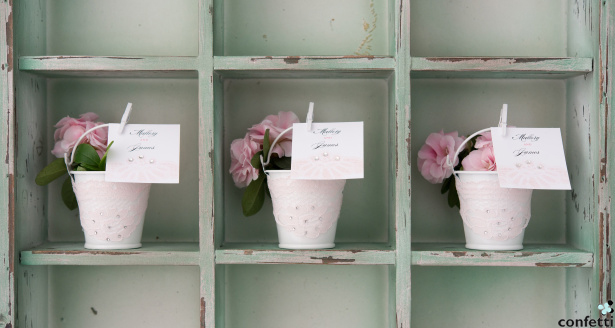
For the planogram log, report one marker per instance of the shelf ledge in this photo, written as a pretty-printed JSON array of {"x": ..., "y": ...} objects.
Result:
[
  {"x": 500, "y": 67},
  {"x": 428, "y": 254},
  {"x": 342, "y": 254},
  {"x": 304, "y": 66},
  {"x": 112, "y": 66},
  {"x": 149, "y": 254}
]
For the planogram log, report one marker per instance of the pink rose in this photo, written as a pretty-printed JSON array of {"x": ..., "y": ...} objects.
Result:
[
  {"x": 242, "y": 151},
  {"x": 276, "y": 125},
  {"x": 69, "y": 130},
  {"x": 480, "y": 160},
  {"x": 432, "y": 156},
  {"x": 484, "y": 140}
]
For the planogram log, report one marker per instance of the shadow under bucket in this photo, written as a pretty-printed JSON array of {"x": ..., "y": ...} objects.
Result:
[{"x": 494, "y": 218}]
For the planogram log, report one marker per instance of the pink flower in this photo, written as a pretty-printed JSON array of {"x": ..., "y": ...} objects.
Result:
[
  {"x": 69, "y": 130},
  {"x": 242, "y": 151},
  {"x": 276, "y": 125},
  {"x": 484, "y": 140},
  {"x": 432, "y": 156},
  {"x": 480, "y": 160}
]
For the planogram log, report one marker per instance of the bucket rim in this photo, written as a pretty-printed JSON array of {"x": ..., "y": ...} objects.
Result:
[
  {"x": 87, "y": 172},
  {"x": 476, "y": 172},
  {"x": 277, "y": 172}
]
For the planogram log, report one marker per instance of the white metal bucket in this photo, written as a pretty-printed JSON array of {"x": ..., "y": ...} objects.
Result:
[
  {"x": 111, "y": 213},
  {"x": 305, "y": 211},
  {"x": 494, "y": 218}
]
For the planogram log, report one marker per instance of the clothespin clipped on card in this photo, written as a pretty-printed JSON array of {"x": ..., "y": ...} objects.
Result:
[
  {"x": 310, "y": 117},
  {"x": 503, "y": 117},
  {"x": 125, "y": 117}
]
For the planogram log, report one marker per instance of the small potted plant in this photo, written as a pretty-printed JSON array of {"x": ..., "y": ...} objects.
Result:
[
  {"x": 111, "y": 213},
  {"x": 306, "y": 211},
  {"x": 494, "y": 218}
]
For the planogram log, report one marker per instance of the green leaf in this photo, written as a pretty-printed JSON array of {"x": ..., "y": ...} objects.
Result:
[
  {"x": 87, "y": 157},
  {"x": 453, "y": 197},
  {"x": 254, "y": 196},
  {"x": 54, "y": 170},
  {"x": 266, "y": 145},
  {"x": 68, "y": 195},
  {"x": 103, "y": 160},
  {"x": 256, "y": 160},
  {"x": 282, "y": 163},
  {"x": 446, "y": 185}
]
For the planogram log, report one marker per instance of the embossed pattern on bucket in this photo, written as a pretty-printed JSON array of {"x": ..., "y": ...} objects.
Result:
[
  {"x": 308, "y": 208},
  {"x": 111, "y": 213},
  {"x": 493, "y": 212}
]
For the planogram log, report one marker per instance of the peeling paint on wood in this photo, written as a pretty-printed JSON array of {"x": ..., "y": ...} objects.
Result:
[
  {"x": 281, "y": 256},
  {"x": 331, "y": 260},
  {"x": 456, "y": 255},
  {"x": 203, "y": 312}
]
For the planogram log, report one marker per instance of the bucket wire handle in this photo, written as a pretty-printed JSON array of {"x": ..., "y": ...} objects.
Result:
[
  {"x": 271, "y": 148},
  {"x": 448, "y": 159},
  {"x": 72, "y": 154}
]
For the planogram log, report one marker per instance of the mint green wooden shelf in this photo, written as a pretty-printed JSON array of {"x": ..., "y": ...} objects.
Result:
[
  {"x": 434, "y": 254},
  {"x": 423, "y": 254},
  {"x": 116, "y": 66},
  {"x": 57, "y": 253},
  {"x": 500, "y": 67},
  {"x": 343, "y": 253},
  {"x": 306, "y": 66}
]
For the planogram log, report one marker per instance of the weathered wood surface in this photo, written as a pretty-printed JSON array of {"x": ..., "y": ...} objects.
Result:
[
  {"x": 495, "y": 67},
  {"x": 304, "y": 63},
  {"x": 403, "y": 163},
  {"x": 7, "y": 251},
  {"x": 105, "y": 63},
  {"x": 531, "y": 256},
  {"x": 206, "y": 142},
  {"x": 606, "y": 187},
  {"x": 149, "y": 254},
  {"x": 342, "y": 254}
]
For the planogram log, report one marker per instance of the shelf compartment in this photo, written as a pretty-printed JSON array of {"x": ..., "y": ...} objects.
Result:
[
  {"x": 292, "y": 27},
  {"x": 116, "y": 66},
  {"x": 273, "y": 296},
  {"x": 304, "y": 66},
  {"x": 120, "y": 297},
  {"x": 365, "y": 216},
  {"x": 500, "y": 67},
  {"x": 55, "y": 253},
  {"x": 489, "y": 28},
  {"x": 116, "y": 27},
  {"x": 433, "y": 254},
  {"x": 342, "y": 254},
  {"x": 537, "y": 296}
]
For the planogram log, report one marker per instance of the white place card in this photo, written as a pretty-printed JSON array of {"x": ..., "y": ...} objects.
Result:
[
  {"x": 145, "y": 153},
  {"x": 327, "y": 151},
  {"x": 530, "y": 158}
]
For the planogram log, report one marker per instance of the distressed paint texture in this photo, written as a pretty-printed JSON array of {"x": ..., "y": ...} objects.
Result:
[
  {"x": 7, "y": 251},
  {"x": 206, "y": 143},
  {"x": 402, "y": 162},
  {"x": 607, "y": 149},
  {"x": 531, "y": 256}
]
